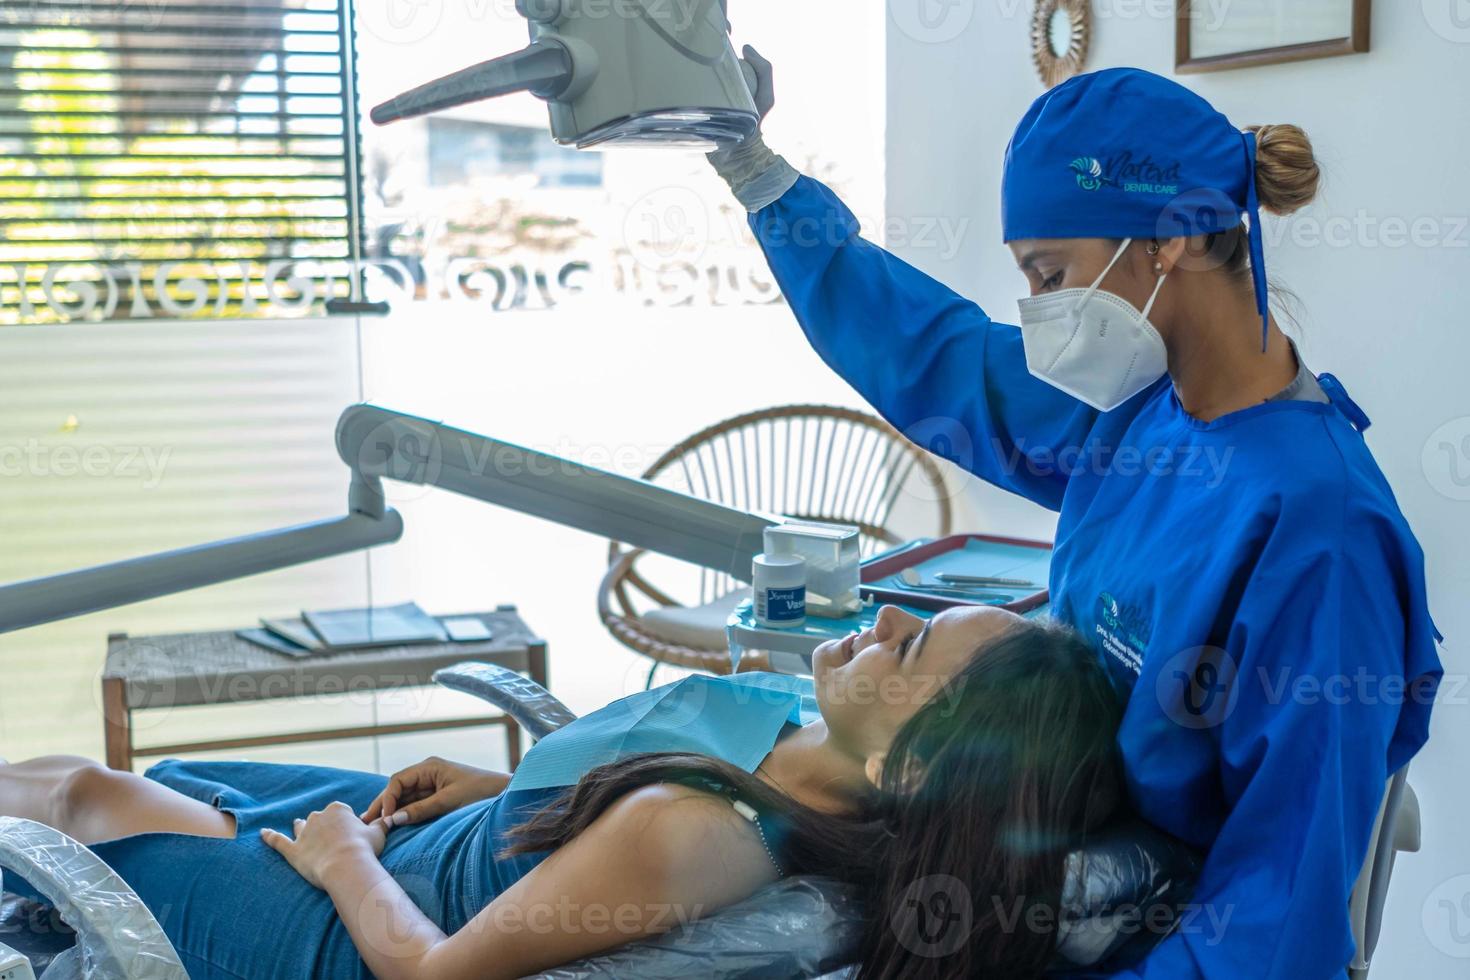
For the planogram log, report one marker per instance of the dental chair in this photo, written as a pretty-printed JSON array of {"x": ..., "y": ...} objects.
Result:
[
  {"x": 1126, "y": 882},
  {"x": 94, "y": 927},
  {"x": 1124, "y": 892}
]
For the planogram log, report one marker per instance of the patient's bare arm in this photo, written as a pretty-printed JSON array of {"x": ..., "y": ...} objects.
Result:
[{"x": 661, "y": 855}]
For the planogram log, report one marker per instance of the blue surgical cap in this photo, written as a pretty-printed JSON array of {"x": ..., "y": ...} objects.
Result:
[{"x": 1125, "y": 153}]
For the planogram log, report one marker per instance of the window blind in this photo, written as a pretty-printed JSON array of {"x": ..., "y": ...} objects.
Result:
[{"x": 164, "y": 158}]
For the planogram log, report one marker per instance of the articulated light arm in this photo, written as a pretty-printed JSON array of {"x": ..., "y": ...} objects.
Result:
[
  {"x": 380, "y": 443},
  {"x": 45, "y": 600},
  {"x": 377, "y": 444}
]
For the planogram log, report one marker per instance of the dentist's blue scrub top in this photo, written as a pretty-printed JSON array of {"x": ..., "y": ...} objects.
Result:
[{"x": 1250, "y": 582}]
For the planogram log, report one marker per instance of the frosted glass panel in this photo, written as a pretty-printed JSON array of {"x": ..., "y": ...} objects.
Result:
[{"x": 120, "y": 440}]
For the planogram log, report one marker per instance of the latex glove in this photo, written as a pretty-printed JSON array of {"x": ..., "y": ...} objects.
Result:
[
  {"x": 756, "y": 175},
  {"x": 765, "y": 77},
  {"x": 431, "y": 789},
  {"x": 327, "y": 838}
]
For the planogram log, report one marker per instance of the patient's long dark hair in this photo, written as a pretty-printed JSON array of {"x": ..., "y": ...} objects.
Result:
[{"x": 960, "y": 853}]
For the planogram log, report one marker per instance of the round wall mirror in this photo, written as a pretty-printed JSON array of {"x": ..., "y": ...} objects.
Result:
[{"x": 1060, "y": 33}]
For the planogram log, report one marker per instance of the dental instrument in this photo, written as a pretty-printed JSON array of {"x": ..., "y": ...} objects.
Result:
[
  {"x": 913, "y": 580},
  {"x": 652, "y": 74},
  {"x": 990, "y": 580}
]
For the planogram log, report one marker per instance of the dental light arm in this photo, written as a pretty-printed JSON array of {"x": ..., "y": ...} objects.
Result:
[
  {"x": 380, "y": 443},
  {"x": 122, "y": 583},
  {"x": 377, "y": 444}
]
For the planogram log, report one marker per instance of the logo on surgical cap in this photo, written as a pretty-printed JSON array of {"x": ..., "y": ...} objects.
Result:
[
  {"x": 1089, "y": 173},
  {"x": 1127, "y": 173}
]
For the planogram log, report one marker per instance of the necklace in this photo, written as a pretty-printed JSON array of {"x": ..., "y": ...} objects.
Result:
[{"x": 774, "y": 780}]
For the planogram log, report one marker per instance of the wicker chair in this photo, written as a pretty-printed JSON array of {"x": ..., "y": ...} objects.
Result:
[{"x": 813, "y": 462}]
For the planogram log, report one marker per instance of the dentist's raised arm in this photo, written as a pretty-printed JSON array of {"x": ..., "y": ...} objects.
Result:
[{"x": 929, "y": 360}]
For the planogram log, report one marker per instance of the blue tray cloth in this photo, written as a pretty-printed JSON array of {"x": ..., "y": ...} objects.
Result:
[{"x": 984, "y": 558}]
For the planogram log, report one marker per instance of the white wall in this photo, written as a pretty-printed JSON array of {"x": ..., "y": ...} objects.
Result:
[{"x": 1385, "y": 314}]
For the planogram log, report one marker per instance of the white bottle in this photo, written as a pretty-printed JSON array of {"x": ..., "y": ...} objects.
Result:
[{"x": 779, "y": 584}]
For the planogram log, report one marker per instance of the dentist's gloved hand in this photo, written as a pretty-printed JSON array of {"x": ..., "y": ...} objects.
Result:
[
  {"x": 431, "y": 789},
  {"x": 765, "y": 78},
  {"x": 756, "y": 175}
]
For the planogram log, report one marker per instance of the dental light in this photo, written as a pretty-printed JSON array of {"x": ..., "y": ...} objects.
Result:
[{"x": 614, "y": 73}]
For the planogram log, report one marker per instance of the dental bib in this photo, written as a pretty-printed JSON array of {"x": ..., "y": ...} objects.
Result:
[{"x": 736, "y": 718}]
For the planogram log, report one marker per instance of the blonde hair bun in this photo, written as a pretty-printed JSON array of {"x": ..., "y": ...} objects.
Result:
[{"x": 1287, "y": 173}]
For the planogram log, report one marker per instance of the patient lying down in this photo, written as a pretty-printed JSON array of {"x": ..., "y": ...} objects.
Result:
[{"x": 979, "y": 748}]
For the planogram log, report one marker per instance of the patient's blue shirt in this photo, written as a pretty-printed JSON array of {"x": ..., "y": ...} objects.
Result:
[{"x": 235, "y": 909}]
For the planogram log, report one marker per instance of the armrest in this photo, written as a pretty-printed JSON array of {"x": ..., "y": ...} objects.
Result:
[
  {"x": 530, "y": 704},
  {"x": 119, "y": 938},
  {"x": 1397, "y": 829},
  {"x": 1408, "y": 832}
]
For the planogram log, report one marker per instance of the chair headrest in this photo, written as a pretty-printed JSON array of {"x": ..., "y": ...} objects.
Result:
[{"x": 1123, "y": 893}]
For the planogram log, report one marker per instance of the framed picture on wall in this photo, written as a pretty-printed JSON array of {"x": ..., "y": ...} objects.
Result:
[{"x": 1216, "y": 36}]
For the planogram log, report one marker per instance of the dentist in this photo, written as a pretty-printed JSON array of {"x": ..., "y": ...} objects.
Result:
[{"x": 1265, "y": 616}]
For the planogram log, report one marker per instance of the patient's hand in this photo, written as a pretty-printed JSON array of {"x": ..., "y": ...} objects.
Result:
[
  {"x": 431, "y": 789},
  {"x": 328, "y": 838}
]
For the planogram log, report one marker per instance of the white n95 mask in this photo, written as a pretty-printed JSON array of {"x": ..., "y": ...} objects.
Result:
[{"x": 1093, "y": 344}]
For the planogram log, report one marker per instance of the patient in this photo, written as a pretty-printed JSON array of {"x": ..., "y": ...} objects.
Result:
[{"x": 979, "y": 747}]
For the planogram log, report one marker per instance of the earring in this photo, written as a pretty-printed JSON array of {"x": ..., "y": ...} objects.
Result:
[{"x": 1153, "y": 248}]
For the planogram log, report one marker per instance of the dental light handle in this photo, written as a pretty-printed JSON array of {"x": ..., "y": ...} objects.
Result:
[
  {"x": 752, "y": 80},
  {"x": 544, "y": 69},
  {"x": 648, "y": 73}
]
